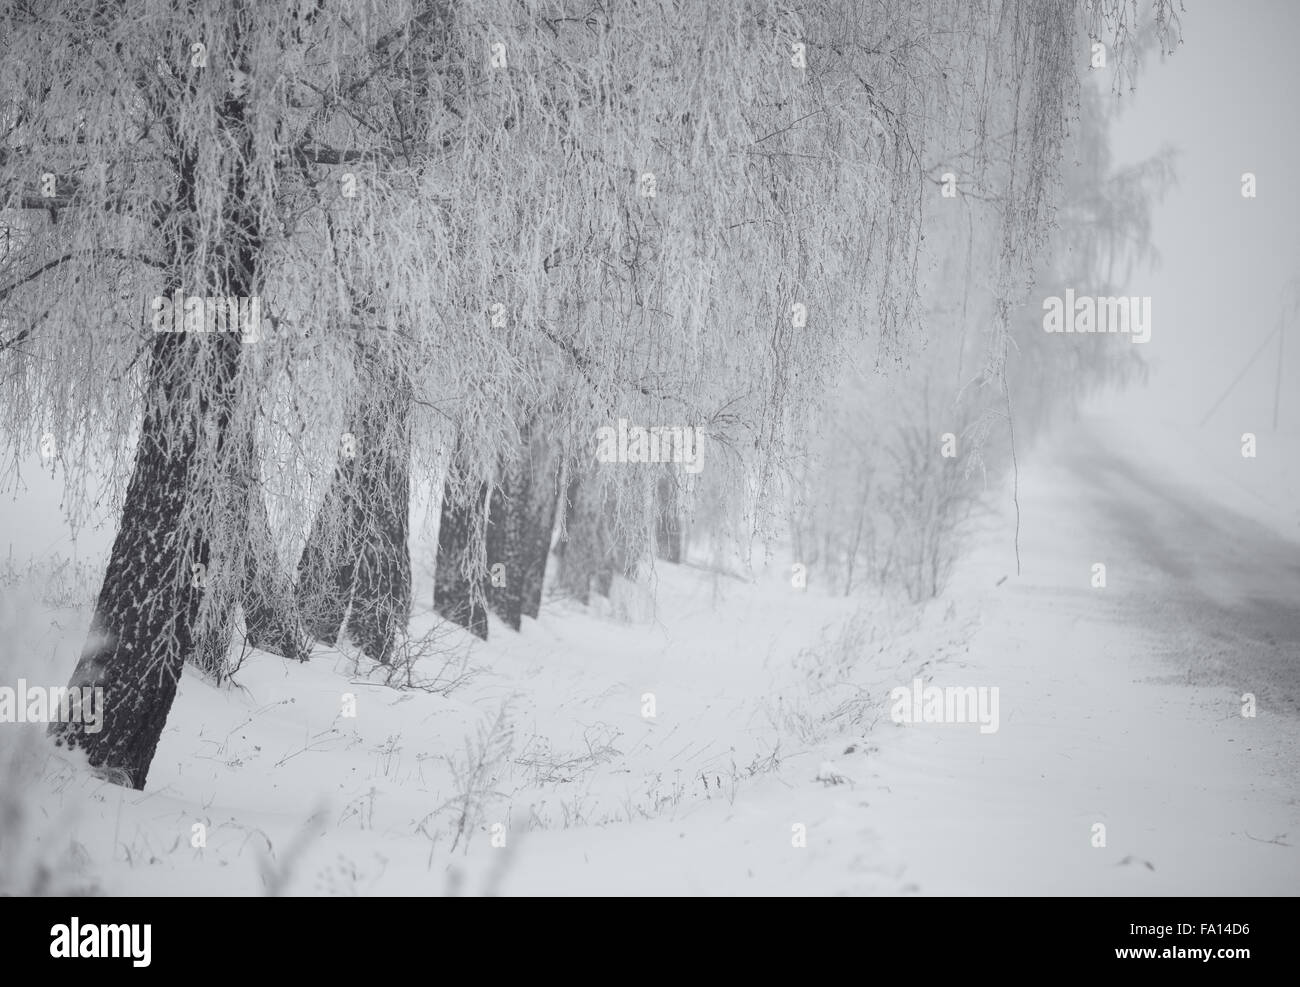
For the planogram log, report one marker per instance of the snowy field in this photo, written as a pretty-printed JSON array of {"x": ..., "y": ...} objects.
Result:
[{"x": 771, "y": 764}]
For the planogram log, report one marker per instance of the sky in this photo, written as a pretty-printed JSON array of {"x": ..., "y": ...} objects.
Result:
[{"x": 1226, "y": 100}]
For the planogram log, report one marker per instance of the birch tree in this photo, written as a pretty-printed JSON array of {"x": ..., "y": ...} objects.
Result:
[{"x": 452, "y": 219}]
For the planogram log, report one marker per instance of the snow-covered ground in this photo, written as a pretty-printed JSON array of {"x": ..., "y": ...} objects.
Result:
[
  {"x": 1120, "y": 706},
  {"x": 770, "y": 765}
]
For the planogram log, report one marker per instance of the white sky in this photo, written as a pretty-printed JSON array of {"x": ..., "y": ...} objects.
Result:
[{"x": 1227, "y": 101}]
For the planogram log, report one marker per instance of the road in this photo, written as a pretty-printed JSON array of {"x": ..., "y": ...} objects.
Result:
[
  {"x": 1121, "y": 706},
  {"x": 1224, "y": 588}
]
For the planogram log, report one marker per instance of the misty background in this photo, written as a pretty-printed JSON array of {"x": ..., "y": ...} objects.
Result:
[{"x": 1226, "y": 103}]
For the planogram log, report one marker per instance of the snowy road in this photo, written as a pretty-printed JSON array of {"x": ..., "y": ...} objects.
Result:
[
  {"x": 1120, "y": 706},
  {"x": 1222, "y": 585}
]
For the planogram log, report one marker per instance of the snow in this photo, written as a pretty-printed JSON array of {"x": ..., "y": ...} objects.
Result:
[{"x": 771, "y": 724}]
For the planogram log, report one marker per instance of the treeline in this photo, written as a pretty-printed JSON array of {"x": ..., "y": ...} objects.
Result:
[{"x": 477, "y": 234}]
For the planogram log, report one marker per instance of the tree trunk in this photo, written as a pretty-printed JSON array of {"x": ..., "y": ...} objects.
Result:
[
  {"x": 324, "y": 581},
  {"x": 271, "y": 621},
  {"x": 381, "y": 572},
  {"x": 505, "y": 536},
  {"x": 355, "y": 570},
  {"x": 144, "y": 623},
  {"x": 592, "y": 551},
  {"x": 252, "y": 578},
  {"x": 668, "y": 522},
  {"x": 457, "y": 596},
  {"x": 576, "y": 551},
  {"x": 543, "y": 503},
  {"x": 144, "y": 626},
  {"x": 521, "y": 521}
]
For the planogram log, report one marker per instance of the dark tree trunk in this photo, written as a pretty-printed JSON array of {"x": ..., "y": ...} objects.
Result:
[
  {"x": 145, "y": 617},
  {"x": 505, "y": 536},
  {"x": 144, "y": 623},
  {"x": 521, "y": 521},
  {"x": 355, "y": 569},
  {"x": 457, "y": 596},
  {"x": 381, "y": 594},
  {"x": 324, "y": 580}
]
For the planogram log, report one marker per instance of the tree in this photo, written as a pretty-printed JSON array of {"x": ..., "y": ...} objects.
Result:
[
  {"x": 667, "y": 213},
  {"x": 355, "y": 569},
  {"x": 521, "y": 523},
  {"x": 458, "y": 591},
  {"x": 151, "y": 610},
  {"x": 179, "y": 145}
]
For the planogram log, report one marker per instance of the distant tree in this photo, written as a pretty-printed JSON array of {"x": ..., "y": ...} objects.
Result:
[{"x": 901, "y": 523}]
